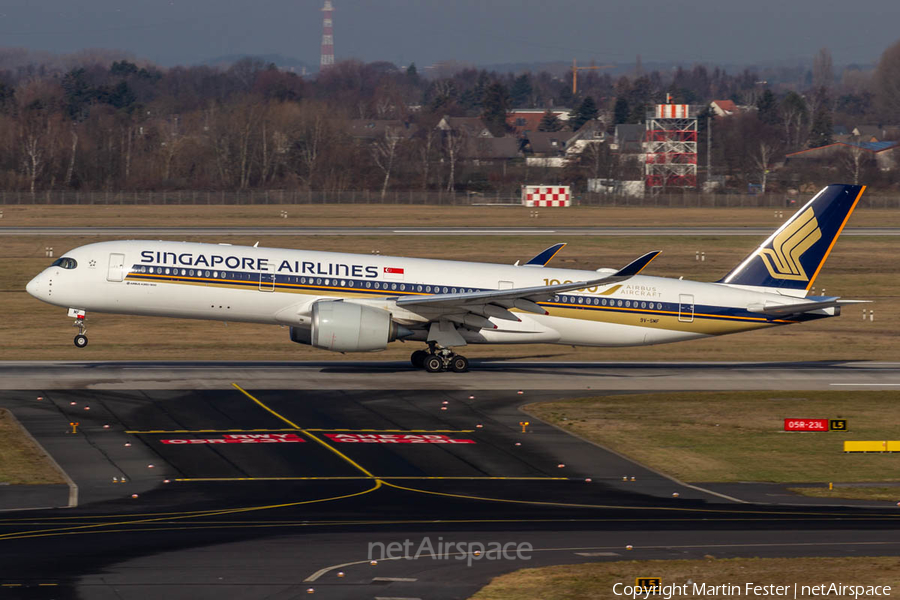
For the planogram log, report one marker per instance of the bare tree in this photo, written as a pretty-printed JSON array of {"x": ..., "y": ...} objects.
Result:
[
  {"x": 887, "y": 85},
  {"x": 794, "y": 115},
  {"x": 454, "y": 142},
  {"x": 310, "y": 141},
  {"x": 36, "y": 134},
  {"x": 763, "y": 160},
  {"x": 70, "y": 170},
  {"x": 384, "y": 151},
  {"x": 425, "y": 151},
  {"x": 169, "y": 145},
  {"x": 853, "y": 160}
]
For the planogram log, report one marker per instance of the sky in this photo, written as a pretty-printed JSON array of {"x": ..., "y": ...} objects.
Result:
[{"x": 171, "y": 32}]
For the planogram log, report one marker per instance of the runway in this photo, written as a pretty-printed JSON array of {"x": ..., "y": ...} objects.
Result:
[
  {"x": 259, "y": 489},
  {"x": 484, "y": 375},
  {"x": 154, "y": 232}
]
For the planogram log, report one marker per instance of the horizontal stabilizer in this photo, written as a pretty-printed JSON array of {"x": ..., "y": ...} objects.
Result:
[
  {"x": 546, "y": 256},
  {"x": 783, "y": 310}
]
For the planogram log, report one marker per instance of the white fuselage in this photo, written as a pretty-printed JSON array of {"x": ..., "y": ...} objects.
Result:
[{"x": 278, "y": 286}]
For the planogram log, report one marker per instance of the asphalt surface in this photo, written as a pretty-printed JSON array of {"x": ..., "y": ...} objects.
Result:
[
  {"x": 485, "y": 374},
  {"x": 271, "y": 519},
  {"x": 394, "y": 231}
]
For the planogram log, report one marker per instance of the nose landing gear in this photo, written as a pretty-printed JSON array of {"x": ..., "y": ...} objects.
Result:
[
  {"x": 80, "y": 339},
  {"x": 437, "y": 359}
]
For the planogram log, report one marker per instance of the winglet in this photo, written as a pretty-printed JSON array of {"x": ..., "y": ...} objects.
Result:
[
  {"x": 546, "y": 256},
  {"x": 637, "y": 265}
]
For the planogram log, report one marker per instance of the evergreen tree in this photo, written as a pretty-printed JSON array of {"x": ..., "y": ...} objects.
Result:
[
  {"x": 520, "y": 94},
  {"x": 768, "y": 108},
  {"x": 820, "y": 130},
  {"x": 412, "y": 74},
  {"x": 78, "y": 94},
  {"x": 585, "y": 112},
  {"x": 7, "y": 98},
  {"x": 638, "y": 113},
  {"x": 621, "y": 111},
  {"x": 550, "y": 122},
  {"x": 495, "y": 104}
]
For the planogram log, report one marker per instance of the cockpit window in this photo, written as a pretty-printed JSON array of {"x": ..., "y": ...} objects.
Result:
[{"x": 65, "y": 263}]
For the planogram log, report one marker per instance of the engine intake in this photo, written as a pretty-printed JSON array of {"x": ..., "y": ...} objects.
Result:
[{"x": 349, "y": 327}]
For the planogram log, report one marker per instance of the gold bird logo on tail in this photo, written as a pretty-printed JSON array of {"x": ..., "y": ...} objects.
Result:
[{"x": 783, "y": 259}]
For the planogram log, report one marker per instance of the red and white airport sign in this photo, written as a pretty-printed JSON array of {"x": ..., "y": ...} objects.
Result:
[
  {"x": 806, "y": 424},
  {"x": 393, "y": 438}
]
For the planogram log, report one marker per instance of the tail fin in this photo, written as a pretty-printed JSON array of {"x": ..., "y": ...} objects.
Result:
[{"x": 792, "y": 257}]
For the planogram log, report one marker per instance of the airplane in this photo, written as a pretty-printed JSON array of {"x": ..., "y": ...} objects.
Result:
[{"x": 359, "y": 303}]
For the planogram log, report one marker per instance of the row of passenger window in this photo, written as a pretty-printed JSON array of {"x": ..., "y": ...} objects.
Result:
[
  {"x": 186, "y": 272},
  {"x": 604, "y": 302},
  {"x": 377, "y": 285}
]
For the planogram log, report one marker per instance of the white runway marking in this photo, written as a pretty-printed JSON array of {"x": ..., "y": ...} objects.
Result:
[{"x": 869, "y": 384}]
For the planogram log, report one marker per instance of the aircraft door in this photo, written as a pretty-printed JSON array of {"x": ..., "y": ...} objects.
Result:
[
  {"x": 116, "y": 270},
  {"x": 267, "y": 280},
  {"x": 686, "y": 308}
]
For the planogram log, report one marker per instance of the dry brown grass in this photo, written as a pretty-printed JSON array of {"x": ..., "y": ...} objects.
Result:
[
  {"x": 21, "y": 461},
  {"x": 595, "y": 581},
  {"x": 738, "y": 436},
  {"x": 889, "y": 494},
  {"x": 394, "y": 215},
  {"x": 858, "y": 267}
]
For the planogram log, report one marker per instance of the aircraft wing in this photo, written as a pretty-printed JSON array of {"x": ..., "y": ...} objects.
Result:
[{"x": 494, "y": 303}]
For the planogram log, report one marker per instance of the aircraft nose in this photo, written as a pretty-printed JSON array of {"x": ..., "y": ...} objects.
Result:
[{"x": 34, "y": 287}]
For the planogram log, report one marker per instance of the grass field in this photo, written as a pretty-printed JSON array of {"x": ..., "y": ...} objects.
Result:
[
  {"x": 738, "y": 436},
  {"x": 887, "y": 493},
  {"x": 595, "y": 581},
  {"x": 21, "y": 461},
  {"x": 858, "y": 268},
  {"x": 398, "y": 215}
]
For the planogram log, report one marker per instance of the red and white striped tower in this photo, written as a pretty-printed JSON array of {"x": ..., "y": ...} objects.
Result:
[{"x": 327, "y": 59}]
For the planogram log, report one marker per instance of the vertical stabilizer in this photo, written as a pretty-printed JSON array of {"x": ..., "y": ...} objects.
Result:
[{"x": 791, "y": 258}]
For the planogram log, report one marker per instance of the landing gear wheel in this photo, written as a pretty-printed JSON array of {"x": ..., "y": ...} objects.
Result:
[
  {"x": 434, "y": 364},
  {"x": 417, "y": 358},
  {"x": 81, "y": 340},
  {"x": 459, "y": 364}
]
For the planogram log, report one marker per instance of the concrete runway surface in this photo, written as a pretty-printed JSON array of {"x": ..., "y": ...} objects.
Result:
[
  {"x": 140, "y": 232},
  {"x": 263, "y": 490},
  {"x": 484, "y": 375}
]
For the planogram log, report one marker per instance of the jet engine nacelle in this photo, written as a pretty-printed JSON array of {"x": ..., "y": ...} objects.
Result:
[{"x": 348, "y": 327}]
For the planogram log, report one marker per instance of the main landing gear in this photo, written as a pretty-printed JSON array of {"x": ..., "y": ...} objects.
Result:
[
  {"x": 435, "y": 360},
  {"x": 80, "y": 340}
]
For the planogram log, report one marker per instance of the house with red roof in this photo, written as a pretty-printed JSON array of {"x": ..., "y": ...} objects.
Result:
[{"x": 724, "y": 108}]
